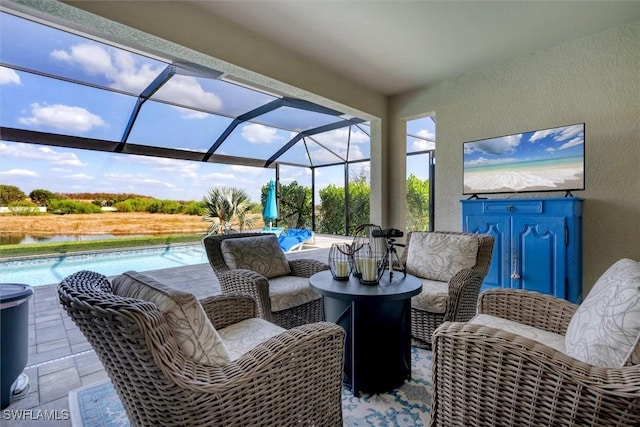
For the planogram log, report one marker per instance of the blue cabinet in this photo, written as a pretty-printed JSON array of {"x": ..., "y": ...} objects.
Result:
[{"x": 538, "y": 243}]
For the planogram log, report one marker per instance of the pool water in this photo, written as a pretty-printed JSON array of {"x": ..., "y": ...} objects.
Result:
[{"x": 50, "y": 270}]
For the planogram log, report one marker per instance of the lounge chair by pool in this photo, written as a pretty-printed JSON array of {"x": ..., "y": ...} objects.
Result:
[
  {"x": 274, "y": 230},
  {"x": 295, "y": 238}
]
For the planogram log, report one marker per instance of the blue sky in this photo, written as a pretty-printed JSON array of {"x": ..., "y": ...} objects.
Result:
[
  {"x": 555, "y": 143},
  {"x": 198, "y": 110}
]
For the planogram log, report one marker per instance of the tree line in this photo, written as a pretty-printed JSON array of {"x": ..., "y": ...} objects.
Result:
[
  {"x": 295, "y": 205},
  {"x": 229, "y": 207},
  {"x": 79, "y": 203}
]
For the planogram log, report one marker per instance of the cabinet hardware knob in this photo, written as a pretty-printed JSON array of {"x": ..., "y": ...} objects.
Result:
[
  {"x": 515, "y": 276},
  {"x": 511, "y": 208}
]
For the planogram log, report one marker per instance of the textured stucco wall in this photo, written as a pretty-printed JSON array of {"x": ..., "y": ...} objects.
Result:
[{"x": 595, "y": 80}]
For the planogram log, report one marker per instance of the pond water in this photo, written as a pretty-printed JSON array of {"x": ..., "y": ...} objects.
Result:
[{"x": 20, "y": 239}]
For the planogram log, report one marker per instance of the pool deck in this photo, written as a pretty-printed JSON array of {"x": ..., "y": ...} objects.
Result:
[{"x": 61, "y": 359}]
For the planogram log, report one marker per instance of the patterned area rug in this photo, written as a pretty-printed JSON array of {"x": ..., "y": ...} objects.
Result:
[{"x": 97, "y": 405}]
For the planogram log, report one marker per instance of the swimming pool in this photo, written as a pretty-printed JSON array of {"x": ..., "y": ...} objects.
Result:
[{"x": 49, "y": 270}]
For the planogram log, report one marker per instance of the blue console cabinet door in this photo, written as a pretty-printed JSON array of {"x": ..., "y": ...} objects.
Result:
[
  {"x": 537, "y": 243},
  {"x": 500, "y": 228},
  {"x": 539, "y": 255}
]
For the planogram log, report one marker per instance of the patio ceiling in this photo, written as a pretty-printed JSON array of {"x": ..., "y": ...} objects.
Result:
[{"x": 65, "y": 89}]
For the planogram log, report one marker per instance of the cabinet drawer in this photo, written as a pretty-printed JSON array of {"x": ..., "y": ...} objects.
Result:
[{"x": 511, "y": 207}]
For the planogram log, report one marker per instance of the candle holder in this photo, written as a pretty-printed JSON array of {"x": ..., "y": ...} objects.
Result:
[
  {"x": 340, "y": 261},
  {"x": 368, "y": 253}
]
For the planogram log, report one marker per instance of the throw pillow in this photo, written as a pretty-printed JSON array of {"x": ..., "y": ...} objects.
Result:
[
  {"x": 261, "y": 254},
  {"x": 439, "y": 256},
  {"x": 189, "y": 324},
  {"x": 605, "y": 329}
]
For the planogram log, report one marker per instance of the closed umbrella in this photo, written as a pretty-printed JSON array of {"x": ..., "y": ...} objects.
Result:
[{"x": 270, "y": 211}]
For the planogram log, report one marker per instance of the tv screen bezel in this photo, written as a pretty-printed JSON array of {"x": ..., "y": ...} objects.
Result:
[{"x": 512, "y": 191}]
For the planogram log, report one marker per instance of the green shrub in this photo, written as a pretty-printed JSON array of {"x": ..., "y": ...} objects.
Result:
[
  {"x": 134, "y": 205},
  {"x": 24, "y": 208},
  {"x": 10, "y": 194},
  {"x": 73, "y": 207},
  {"x": 193, "y": 208},
  {"x": 41, "y": 197},
  {"x": 165, "y": 206}
]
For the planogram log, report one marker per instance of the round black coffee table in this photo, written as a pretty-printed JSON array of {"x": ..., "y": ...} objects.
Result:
[{"x": 377, "y": 320}]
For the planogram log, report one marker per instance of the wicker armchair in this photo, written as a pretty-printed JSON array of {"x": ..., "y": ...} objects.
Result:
[
  {"x": 293, "y": 378},
  {"x": 452, "y": 301},
  {"x": 297, "y": 311},
  {"x": 485, "y": 376}
]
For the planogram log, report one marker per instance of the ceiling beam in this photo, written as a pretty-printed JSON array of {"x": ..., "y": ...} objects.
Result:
[{"x": 82, "y": 143}]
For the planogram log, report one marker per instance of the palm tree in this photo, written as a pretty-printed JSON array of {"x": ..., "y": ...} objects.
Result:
[{"x": 224, "y": 205}]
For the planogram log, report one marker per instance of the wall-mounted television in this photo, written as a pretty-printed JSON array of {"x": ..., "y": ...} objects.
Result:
[{"x": 536, "y": 161}]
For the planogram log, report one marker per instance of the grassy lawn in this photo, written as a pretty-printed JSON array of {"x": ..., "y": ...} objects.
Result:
[{"x": 7, "y": 251}]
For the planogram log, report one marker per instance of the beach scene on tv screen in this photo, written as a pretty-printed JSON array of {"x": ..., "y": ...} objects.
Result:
[{"x": 542, "y": 160}]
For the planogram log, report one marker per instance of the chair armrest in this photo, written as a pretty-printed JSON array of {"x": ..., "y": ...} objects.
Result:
[
  {"x": 251, "y": 284},
  {"x": 225, "y": 310},
  {"x": 464, "y": 288},
  {"x": 311, "y": 353},
  {"x": 306, "y": 267},
  {"x": 485, "y": 376},
  {"x": 535, "y": 309}
]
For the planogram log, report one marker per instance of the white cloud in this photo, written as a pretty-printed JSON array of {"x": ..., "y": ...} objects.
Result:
[
  {"x": 188, "y": 114},
  {"x": 164, "y": 166},
  {"x": 570, "y": 132},
  {"x": 61, "y": 116},
  {"x": 80, "y": 177},
  {"x": 324, "y": 156},
  {"x": 216, "y": 177},
  {"x": 8, "y": 76},
  {"x": 497, "y": 146},
  {"x": 118, "y": 67},
  {"x": 93, "y": 58},
  {"x": 38, "y": 152},
  {"x": 426, "y": 134},
  {"x": 188, "y": 91},
  {"x": 246, "y": 170},
  {"x": 135, "y": 180},
  {"x": 575, "y": 141},
  {"x": 559, "y": 134},
  {"x": 336, "y": 140},
  {"x": 484, "y": 161},
  {"x": 19, "y": 172},
  {"x": 123, "y": 71},
  {"x": 422, "y": 145},
  {"x": 260, "y": 134}
]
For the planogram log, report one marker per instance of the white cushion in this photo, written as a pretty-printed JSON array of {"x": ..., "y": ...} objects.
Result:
[
  {"x": 605, "y": 329},
  {"x": 189, "y": 324},
  {"x": 439, "y": 256},
  {"x": 549, "y": 339},
  {"x": 433, "y": 297},
  {"x": 243, "y": 336},
  {"x": 261, "y": 254},
  {"x": 290, "y": 291}
]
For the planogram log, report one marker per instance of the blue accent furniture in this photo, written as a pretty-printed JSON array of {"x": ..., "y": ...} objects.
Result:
[
  {"x": 294, "y": 238},
  {"x": 538, "y": 243}
]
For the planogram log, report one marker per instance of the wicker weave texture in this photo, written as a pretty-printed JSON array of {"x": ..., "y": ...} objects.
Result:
[
  {"x": 256, "y": 286},
  {"x": 464, "y": 289},
  {"x": 487, "y": 377},
  {"x": 294, "y": 378}
]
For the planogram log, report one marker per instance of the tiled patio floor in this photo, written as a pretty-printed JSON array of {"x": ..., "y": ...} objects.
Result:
[{"x": 60, "y": 359}]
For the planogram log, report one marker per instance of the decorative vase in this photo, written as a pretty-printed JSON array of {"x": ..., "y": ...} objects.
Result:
[
  {"x": 368, "y": 249},
  {"x": 340, "y": 261}
]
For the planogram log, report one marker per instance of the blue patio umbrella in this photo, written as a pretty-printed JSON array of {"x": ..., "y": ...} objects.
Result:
[{"x": 270, "y": 211}]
